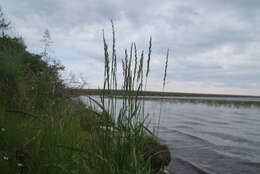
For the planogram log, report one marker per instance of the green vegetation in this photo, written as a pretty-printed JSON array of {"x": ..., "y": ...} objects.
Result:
[{"x": 44, "y": 131}]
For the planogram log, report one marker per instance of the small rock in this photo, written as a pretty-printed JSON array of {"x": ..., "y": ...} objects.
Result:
[{"x": 158, "y": 154}]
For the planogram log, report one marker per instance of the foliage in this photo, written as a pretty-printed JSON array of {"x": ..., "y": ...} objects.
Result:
[
  {"x": 4, "y": 25},
  {"x": 25, "y": 77}
]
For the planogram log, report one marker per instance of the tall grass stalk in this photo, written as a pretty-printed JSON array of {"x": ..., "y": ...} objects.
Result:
[
  {"x": 148, "y": 61},
  {"x": 163, "y": 88},
  {"x": 165, "y": 68}
]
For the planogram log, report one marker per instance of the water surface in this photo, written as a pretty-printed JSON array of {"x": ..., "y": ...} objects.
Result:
[
  {"x": 205, "y": 138},
  {"x": 208, "y": 135}
]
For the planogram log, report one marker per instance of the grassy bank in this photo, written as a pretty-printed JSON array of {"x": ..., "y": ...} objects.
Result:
[{"x": 44, "y": 131}]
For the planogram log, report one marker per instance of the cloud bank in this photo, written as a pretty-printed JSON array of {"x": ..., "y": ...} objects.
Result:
[{"x": 214, "y": 44}]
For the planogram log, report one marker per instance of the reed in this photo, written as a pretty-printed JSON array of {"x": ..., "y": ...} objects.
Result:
[
  {"x": 163, "y": 88},
  {"x": 148, "y": 62},
  {"x": 118, "y": 146},
  {"x": 165, "y": 69}
]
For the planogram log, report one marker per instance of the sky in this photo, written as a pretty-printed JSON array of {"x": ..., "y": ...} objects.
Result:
[{"x": 214, "y": 44}]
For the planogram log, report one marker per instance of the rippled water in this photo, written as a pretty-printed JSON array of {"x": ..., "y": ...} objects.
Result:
[
  {"x": 209, "y": 139},
  {"x": 206, "y": 137}
]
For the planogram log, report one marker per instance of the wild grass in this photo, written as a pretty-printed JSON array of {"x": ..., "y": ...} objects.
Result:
[
  {"x": 121, "y": 140},
  {"x": 42, "y": 130},
  {"x": 165, "y": 69}
]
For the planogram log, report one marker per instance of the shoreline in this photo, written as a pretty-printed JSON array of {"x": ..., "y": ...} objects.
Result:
[{"x": 151, "y": 93}]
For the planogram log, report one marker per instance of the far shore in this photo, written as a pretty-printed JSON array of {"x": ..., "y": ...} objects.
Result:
[{"x": 151, "y": 93}]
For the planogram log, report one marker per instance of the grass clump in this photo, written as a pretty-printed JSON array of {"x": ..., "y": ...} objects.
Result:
[{"x": 123, "y": 142}]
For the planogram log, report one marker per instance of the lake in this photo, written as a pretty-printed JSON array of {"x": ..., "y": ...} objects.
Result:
[{"x": 209, "y": 135}]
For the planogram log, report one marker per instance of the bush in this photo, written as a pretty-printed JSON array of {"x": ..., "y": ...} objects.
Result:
[{"x": 25, "y": 77}]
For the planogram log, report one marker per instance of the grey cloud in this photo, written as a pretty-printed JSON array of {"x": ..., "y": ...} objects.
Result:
[{"x": 210, "y": 41}]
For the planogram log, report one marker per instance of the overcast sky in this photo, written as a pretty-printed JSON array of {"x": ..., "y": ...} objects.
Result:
[{"x": 214, "y": 44}]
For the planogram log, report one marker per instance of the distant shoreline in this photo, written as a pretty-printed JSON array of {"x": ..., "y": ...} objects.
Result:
[{"x": 150, "y": 93}]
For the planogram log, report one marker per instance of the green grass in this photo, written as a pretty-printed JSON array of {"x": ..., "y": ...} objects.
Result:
[{"x": 44, "y": 131}]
